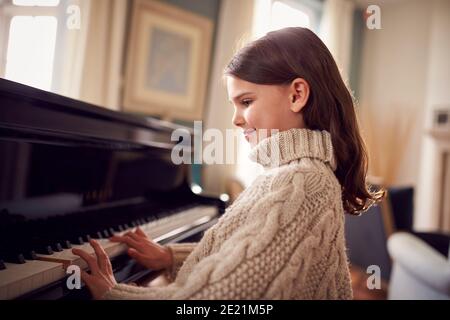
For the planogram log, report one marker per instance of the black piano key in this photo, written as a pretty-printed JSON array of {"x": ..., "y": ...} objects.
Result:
[
  {"x": 15, "y": 258},
  {"x": 57, "y": 247},
  {"x": 66, "y": 244},
  {"x": 105, "y": 233},
  {"x": 30, "y": 255},
  {"x": 97, "y": 235},
  {"x": 126, "y": 226},
  {"x": 87, "y": 238},
  {"x": 47, "y": 250},
  {"x": 78, "y": 240},
  {"x": 2, "y": 265},
  {"x": 111, "y": 231},
  {"x": 167, "y": 213},
  {"x": 134, "y": 224}
]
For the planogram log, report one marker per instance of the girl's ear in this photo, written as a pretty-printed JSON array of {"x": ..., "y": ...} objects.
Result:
[{"x": 299, "y": 94}]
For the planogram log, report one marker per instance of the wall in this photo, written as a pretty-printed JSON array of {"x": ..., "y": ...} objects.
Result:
[
  {"x": 393, "y": 82},
  {"x": 405, "y": 72},
  {"x": 438, "y": 94}
]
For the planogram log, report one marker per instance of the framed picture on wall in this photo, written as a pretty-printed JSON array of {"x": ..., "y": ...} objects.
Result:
[{"x": 167, "y": 61}]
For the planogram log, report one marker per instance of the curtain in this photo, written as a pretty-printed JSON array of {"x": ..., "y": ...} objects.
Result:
[
  {"x": 89, "y": 65},
  {"x": 102, "y": 66}
]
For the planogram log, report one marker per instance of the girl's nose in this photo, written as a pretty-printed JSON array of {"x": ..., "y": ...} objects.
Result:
[{"x": 238, "y": 119}]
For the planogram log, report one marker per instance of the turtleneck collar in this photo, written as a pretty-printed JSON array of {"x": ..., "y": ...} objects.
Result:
[{"x": 286, "y": 146}]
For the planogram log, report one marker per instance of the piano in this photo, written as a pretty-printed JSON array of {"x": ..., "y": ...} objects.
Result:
[{"x": 71, "y": 171}]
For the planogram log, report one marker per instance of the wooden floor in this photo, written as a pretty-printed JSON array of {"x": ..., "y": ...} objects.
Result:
[{"x": 360, "y": 290}]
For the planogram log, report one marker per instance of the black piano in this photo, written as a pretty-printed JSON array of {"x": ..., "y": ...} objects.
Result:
[{"x": 71, "y": 171}]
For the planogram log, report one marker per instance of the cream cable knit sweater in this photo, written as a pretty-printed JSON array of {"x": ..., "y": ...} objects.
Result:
[{"x": 283, "y": 237}]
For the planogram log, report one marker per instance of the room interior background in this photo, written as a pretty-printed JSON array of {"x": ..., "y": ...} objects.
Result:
[{"x": 398, "y": 74}]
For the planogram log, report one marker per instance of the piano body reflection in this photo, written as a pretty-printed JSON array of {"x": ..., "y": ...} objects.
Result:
[{"x": 70, "y": 171}]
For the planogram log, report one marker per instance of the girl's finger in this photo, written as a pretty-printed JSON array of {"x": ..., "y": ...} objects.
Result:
[
  {"x": 86, "y": 278},
  {"x": 127, "y": 240},
  {"x": 102, "y": 257},
  {"x": 141, "y": 233},
  {"x": 134, "y": 236},
  {"x": 90, "y": 260}
]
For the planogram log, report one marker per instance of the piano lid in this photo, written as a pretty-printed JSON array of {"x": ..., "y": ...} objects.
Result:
[{"x": 34, "y": 113}]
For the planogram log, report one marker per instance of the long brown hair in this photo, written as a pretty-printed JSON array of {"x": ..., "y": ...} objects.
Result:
[{"x": 284, "y": 55}]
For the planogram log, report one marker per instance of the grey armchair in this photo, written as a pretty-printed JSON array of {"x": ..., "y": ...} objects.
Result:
[{"x": 419, "y": 271}]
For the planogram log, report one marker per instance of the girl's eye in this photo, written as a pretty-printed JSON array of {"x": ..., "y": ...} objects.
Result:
[{"x": 246, "y": 102}]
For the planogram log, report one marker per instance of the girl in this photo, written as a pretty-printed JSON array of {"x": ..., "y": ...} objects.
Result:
[{"x": 283, "y": 238}]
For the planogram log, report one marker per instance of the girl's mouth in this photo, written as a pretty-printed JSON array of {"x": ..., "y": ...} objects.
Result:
[{"x": 248, "y": 132}]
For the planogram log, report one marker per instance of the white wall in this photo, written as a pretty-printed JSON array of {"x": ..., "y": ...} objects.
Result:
[
  {"x": 438, "y": 93},
  {"x": 405, "y": 72}
]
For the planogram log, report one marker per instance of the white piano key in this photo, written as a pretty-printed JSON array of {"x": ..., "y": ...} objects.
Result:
[
  {"x": 155, "y": 230},
  {"x": 18, "y": 279}
]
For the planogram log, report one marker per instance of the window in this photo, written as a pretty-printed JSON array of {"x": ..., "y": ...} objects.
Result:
[
  {"x": 28, "y": 41},
  {"x": 283, "y": 15},
  {"x": 277, "y": 14}
]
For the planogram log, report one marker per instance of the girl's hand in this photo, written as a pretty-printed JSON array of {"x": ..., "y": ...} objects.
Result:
[
  {"x": 145, "y": 251},
  {"x": 101, "y": 279}
]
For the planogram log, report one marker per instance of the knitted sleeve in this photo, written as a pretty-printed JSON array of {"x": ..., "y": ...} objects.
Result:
[
  {"x": 179, "y": 252},
  {"x": 260, "y": 260}
]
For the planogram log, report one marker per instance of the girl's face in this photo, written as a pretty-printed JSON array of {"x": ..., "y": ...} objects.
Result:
[{"x": 258, "y": 109}]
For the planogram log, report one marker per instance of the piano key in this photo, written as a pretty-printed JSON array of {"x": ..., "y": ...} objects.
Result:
[
  {"x": 17, "y": 258},
  {"x": 66, "y": 257},
  {"x": 106, "y": 234},
  {"x": 18, "y": 279},
  {"x": 97, "y": 235},
  {"x": 44, "y": 250},
  {"x": 77, "y": 240},
  {"x": 66, "y": 244},
  {"x": 157, "y": 230},
  {"x": 150, "y": 219},
  {"x": 2, "y": 265},
  {"x": 57, "y": 247},
  {"x": 30, "y": 255}
]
